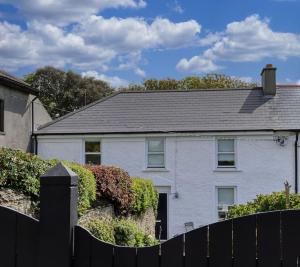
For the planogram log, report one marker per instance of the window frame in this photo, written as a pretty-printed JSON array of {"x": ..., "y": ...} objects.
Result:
[
  {"x": 155, "y": 153},
  {"x": 2, "y": 111},
  {"x": 234, "y": 153},
  {"x": 217, "y": 198},
  {"x": 91, "y": 153}
]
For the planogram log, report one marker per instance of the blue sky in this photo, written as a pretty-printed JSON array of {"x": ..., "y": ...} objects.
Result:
[{"x": 127, "y": 41}]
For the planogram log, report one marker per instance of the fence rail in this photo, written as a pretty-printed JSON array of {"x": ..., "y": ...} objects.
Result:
[{"x": 263, "y": 240}]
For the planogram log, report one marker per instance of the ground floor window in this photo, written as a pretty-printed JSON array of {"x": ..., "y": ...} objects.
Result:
[
  {"x": 92, "y": 152},
  {"x": 226, "y": 198},
  {"x": 161, "y": 227}
]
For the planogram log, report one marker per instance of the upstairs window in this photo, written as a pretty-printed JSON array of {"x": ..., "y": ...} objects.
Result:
[
  {"x": 1, "y": 115},
  {"x": 156, "y": 153},
  {"x": 226, "y": 153},
  {"x": 226, "y": 199},
  {"x": 93, "y": 152}
]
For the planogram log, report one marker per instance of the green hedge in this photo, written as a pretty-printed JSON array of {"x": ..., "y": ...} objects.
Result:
[
  {"x": 263, "y": 203},
  {"x": 145, "y": 196},
  {"x": 86, "y": 186},
  {"x": 122, "y": 232},
  {"x": 21, "y": 171}
]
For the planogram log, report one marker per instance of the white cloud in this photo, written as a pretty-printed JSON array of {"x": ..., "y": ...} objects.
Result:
[
  {"x": 197, "y": 64},
  {"x": 67, "y": 11},
  {"x": 298, "y": 82},
  {"x": 246, "y": 41},
  {"x": 92, "y": 44},
  {"x": 136, "y": 34},
  {"x": 114, "y": 81},
  {"x": 140, "y": 72}
]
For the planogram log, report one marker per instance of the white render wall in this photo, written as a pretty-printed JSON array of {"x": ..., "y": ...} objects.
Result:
[{"x": 262, "y": 167}]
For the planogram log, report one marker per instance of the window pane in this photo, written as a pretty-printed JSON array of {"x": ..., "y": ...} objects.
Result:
[
  {"x": 226, "y": 145},
  {"x": 156, "y": 160},
  {"x": 93, "y": 159},
  {"x": 226, "y": 160},
  {"x": 226, "y": 196},
  {"x": 92, "y": 146},
  {"x": 156, "y": 145}
]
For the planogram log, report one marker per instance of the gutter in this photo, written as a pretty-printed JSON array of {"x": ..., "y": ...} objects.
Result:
[
  {"x": 296, "y": 162},
  {"x": 33, "y": 136}
]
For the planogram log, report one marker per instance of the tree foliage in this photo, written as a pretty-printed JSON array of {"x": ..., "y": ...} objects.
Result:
[
  {"x": 191, "y": 83},
  {"x": 262, "y": 203},
  {"x": 62, "y": 92}
]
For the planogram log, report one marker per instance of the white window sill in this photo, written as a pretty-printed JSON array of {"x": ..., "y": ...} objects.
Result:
[
  {"x": 156, "y": 170},
  {"x": 233, "y": 169}
]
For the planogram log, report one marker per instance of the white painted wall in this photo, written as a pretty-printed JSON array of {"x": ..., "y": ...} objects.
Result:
[{"x": 262, "y": 167}]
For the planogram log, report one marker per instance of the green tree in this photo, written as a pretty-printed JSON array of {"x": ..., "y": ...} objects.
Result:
[{"x": 62, "y": 92}]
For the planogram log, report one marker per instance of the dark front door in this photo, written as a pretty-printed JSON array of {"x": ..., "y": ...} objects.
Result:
[{"x": 161, "y": 228}]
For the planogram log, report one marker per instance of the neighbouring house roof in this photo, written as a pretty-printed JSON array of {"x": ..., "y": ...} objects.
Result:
[
  {"x": 16, "y": 83},
  {"x": 206, "y": 110}
]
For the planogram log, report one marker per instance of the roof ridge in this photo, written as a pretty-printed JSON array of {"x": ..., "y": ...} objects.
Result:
[{"x": 189, "y": 90}]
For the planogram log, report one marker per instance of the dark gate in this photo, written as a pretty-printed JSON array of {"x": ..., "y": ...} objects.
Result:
[{"x": 263, "y": 240}]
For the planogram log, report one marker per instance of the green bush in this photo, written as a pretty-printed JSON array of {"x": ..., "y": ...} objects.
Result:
[
  {"x": 86, "y": 186},
  {"x": 145, "y": 196},
  {"x": 262, "y": 203},
  {"x": 122, "y": 232},
  {"x": 21, "y": 171},
  {"x": 102, "y": 229},
  {"x": 114, "y": 185}
]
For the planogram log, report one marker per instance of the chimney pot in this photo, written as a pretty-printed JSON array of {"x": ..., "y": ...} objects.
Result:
[{"x": 268, "y": 80}]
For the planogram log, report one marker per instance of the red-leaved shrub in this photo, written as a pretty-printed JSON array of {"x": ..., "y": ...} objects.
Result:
[{"x": 114, "y": 185}]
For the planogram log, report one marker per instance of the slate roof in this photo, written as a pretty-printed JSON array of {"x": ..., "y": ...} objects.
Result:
[
  {"x": 184, "y": 111},
  {"x": 16, "y": 83}
]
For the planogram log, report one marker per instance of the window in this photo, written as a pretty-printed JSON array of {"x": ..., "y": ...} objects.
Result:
[
  {"x": 1, "y": 115},
  {"x": 225, "y": 199},
  {"x": 93, "y": 152},
  {"x": 226, "y": 153},
  {"x": 156, "y": 153}
]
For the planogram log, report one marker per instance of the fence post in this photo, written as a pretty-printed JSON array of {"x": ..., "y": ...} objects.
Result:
[{"x": 58, "y": 216}]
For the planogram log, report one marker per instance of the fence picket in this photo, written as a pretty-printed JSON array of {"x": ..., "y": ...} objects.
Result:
[
  {"x": 268, "y": 239},
  {"x": 82, "y": 247},
  {"x": 290, "y": 228},
  {"x": 148, "y": 257},
  {"x": 220, "y": 244},
  {"x": 8, "y": 227},
  {"x": 124, "y": 257},
  {"x": 196, "y": 247},
  {"x": 27, "y": 241},
  {"x": 103, "y": 259},
  {"x": 244, "y": 241},
  {"x": 172, "y": 252}
]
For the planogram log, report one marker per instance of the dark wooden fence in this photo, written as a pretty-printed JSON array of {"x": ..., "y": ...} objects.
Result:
[{"x": 264, "y": 240}]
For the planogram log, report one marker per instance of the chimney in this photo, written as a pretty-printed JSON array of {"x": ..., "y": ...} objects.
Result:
[{"x": 268, "y": 80}]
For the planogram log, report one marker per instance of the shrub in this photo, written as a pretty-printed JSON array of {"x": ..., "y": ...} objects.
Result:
[
  {"x": 262, "y": 203},
  {"x": 21, "y": 171},
  {"x": 86, "y": 186},
  {"x": 114, "y": 185},
  {"x": 103, "y": 229},
  {"x": 120, "y": 232},
  {"x": 145, "y": 196}
]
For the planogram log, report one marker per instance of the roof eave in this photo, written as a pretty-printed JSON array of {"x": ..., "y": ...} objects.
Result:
[{"x": 18, "y": 86}]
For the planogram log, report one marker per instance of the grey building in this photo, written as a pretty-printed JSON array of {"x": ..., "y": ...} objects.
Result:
[{"x": 20, "y": 113}]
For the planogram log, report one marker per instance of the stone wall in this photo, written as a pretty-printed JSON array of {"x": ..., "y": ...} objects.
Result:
[{"x": 17, "y": 201}]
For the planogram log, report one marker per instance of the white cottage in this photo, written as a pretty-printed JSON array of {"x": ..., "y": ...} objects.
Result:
[{"x": 205, "y": 150}]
